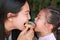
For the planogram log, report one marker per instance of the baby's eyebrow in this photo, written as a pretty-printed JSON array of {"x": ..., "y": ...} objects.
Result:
[{"x": 38, "y": 15}]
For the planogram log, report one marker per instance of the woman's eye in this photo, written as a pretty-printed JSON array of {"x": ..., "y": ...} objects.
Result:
[{"x": 26, "y": 14}]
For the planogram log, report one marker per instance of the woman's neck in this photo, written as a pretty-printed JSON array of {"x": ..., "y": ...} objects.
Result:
[
  {"x": 8, "y": 28},
  {"x": 7, "y": 33}
]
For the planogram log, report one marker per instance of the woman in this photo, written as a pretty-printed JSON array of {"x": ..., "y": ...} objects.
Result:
[{"x": 13, "y": 15}]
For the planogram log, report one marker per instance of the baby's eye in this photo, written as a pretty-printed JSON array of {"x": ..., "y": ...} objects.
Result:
[{"x": 38, "y": 17}]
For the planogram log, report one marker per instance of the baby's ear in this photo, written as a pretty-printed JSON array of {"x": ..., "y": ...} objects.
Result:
[
  {"x": 10, "y": 16},
  {"x": 50, "y": 26}
]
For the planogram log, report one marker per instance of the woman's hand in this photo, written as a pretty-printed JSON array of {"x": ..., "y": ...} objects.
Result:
[{"x": 26, "y": 35}]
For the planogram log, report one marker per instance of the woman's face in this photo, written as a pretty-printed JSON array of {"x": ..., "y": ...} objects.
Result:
[
  {"x": 22, "y": 17},
  {"x": 40, "y": 21}
]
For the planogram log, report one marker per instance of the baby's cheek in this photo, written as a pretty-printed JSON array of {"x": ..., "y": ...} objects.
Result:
[{"x": 39, "y": 25}]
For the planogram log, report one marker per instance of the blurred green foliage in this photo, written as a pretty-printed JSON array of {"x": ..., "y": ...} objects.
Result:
[{"x": 37, "y": 5}]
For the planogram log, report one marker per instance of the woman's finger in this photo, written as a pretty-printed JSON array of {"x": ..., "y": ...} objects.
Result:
[{"x": 30, "y": 32}]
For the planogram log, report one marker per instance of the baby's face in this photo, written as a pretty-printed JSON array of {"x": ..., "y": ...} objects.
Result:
[{"x": 40, "y": 21}]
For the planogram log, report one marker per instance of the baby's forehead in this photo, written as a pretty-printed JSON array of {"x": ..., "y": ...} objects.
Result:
[{"x": 43, "y": 11}]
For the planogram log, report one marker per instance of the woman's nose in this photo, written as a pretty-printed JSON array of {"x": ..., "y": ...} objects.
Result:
[{"x": 29, "y": 17}]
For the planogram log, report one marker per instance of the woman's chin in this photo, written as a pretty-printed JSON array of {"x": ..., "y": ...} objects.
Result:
[{"x": 22, "y": 28}]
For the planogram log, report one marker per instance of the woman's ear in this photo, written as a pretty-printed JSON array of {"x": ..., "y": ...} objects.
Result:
[{"x": 10, "y": 16}]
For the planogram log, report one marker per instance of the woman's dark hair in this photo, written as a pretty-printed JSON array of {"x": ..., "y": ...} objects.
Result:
[
  {"x": 54, "y": 18},
  {"x": 12, "y": 6},
  {"x": 6, "y": 6}
]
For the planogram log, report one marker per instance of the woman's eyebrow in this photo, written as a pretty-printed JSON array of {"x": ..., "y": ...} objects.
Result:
[{"x": 27, "y": 11}]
